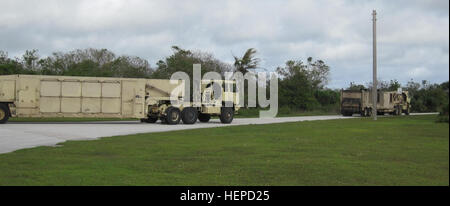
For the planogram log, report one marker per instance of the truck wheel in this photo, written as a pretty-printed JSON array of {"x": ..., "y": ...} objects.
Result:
[
  {"x": 4, "y": 113},
  {"x": 204, "y": 117},
  {"x": 226, "y": 115},
  {"x": 189, "y": 115},
  {"x": 173, "y": 115}
]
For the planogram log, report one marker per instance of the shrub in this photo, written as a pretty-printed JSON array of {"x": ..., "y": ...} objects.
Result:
[{"x": 443, "y": 114}]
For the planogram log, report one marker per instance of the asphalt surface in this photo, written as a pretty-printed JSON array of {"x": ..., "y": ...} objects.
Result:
[{"x": 19, "y": 135}]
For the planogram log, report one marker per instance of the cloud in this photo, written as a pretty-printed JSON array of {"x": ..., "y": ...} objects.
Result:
[
  {"x": 412, "y": 35},
  {"x": 419, "y": 72}
]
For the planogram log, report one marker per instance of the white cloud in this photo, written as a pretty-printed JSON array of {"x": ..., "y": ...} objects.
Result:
[
  {"x": 413, "y": 35},
  {"x": 419, "y": 72}
]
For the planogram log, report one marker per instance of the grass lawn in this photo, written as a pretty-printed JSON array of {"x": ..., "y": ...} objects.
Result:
[{"x": 407, "y": 150}]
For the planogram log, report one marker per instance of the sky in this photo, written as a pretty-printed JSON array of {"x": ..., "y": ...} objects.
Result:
[{"x": 412, "y": 35}]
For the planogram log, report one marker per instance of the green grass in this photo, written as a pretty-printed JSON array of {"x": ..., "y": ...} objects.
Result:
[{"x": 407, "y": 150}]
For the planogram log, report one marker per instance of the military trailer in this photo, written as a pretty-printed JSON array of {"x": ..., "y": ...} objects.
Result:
[
  {"x": 71, "y": 96},
  {"x": 360, "y": 102}
]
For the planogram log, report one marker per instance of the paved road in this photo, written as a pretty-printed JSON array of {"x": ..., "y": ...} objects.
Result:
[{"x": 19, "y": 135}]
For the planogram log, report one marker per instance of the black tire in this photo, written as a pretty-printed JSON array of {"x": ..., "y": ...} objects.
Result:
[
  {"x": 163, "y": 120},
  {"x": 204, "y": 117},
  {"x": 4, "y": 113},
  {"x": 189, "y": 115},
  {"x": 226, "y": 115},
  {"x": 173, "y": 115}
]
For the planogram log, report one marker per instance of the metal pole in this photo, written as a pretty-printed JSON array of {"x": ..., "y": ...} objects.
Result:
[{"x": 374, "y": 86}]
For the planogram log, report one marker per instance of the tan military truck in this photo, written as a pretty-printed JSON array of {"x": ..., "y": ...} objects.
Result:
[
  {"x": 213, "y": 103},
  {"x": 71, "y": 96},
  {"x": 360, "y": 102}
]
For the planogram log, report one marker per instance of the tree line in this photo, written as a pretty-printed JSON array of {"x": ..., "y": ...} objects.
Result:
[
  {"x": 87, "y": 62},
  {"x": 302, "y": 84}
]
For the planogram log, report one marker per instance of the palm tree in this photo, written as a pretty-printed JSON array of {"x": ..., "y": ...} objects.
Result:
[{"x": 248, "y": 61}]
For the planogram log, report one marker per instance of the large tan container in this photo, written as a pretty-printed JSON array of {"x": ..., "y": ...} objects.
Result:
[
  {"x": 361, "y": 102},
  {"x": 68, "y": 96}
]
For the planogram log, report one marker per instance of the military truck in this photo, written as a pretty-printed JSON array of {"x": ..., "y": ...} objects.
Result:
[
  {"x": 214, "y": 98},
  {"x": 360, "y": 102},
  {"x": 145, "y": 99}
]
